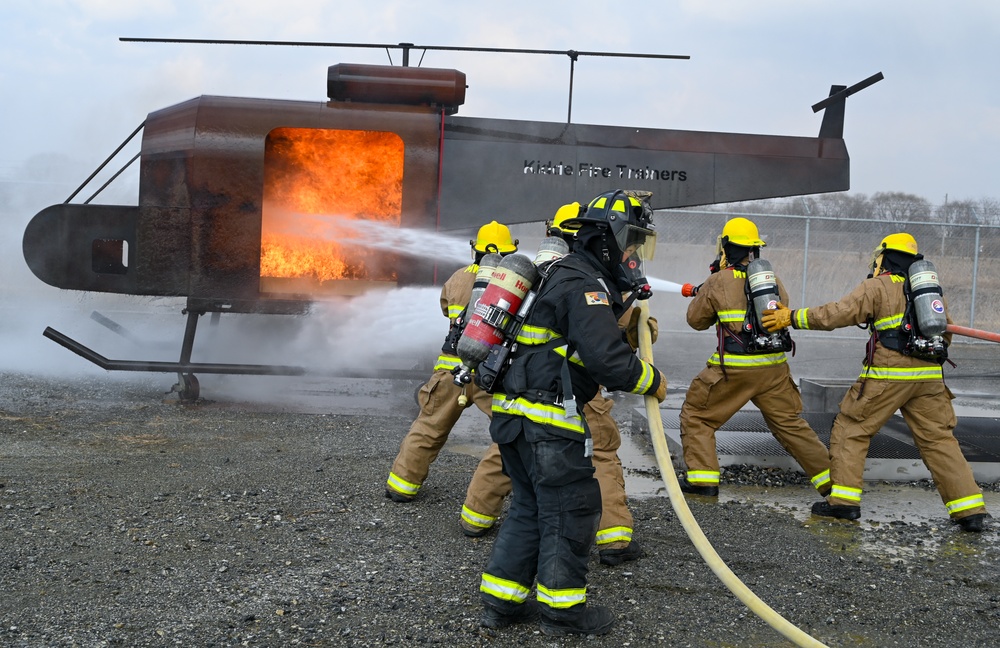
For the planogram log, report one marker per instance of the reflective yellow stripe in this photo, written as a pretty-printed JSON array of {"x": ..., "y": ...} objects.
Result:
[
  {"x": 731, "y": 316},
  {"x": 561, "y": 598},
  {"x": 575, "y": 358},
  {"x": 820, "y": 480},
  {"x": 477, "y": 519},
  {"x": 846, "y": 493},
  {"x": 965, "y": 503},
  {"x": 535, "y": 335},
  {"x": 645, "y": 379},
  {"x": 903, "y": 373},
  {"x": 737, "y": 360},
  {"x": 454, "y": 310},
  {"x": 400, "y": 485},
  {"x": 614, "y": 534},
  {"x": 893, "y": 321},
  {"x": 505, "y": 590},
  {"x": 801, "y": 316},
  {"x": 709, "y": 477},
  {"x": 447, "y": 362},
  {"x": 538, "y": 412}
]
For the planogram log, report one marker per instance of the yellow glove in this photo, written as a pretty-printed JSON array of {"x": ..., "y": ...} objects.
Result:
[
  {"x": 777, "y": 318},
  {"x": 661, "y": 391},
  {"x": 632, "y": 329}
]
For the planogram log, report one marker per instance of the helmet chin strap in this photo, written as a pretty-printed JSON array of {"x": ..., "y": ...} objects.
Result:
[
  {"x": 876, "y": 268},
  {"x": 605, "y": 251}
]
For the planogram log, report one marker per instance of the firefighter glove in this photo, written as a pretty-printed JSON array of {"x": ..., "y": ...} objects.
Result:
[
  {"x": 715, "y": 265},
  {"x": 661, "y": 389},
  {"x": 777, "y": 318},
  {"x": 689, "y": 290},
  {"x": 632, "y": 330}
]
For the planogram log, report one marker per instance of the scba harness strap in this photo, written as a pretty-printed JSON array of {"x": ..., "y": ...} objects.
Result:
[
  {"x": 905, "y": 336},
  {"x": 752, "y": 338}
]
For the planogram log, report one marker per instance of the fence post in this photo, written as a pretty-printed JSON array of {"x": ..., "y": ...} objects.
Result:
[
  {"x": 805, "y": 263},
  {"x": 975, "y": 271}
]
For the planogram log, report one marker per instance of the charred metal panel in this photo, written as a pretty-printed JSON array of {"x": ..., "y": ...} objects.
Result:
[
  {"x": 522, "y": 170},
  {"x": 83, "y": 247},
  {"x": 396, "y": 85},
  {"x": 202, "y": 181}
]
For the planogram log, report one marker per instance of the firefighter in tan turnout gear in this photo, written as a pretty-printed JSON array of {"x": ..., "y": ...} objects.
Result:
[
  {"x": 489, "y": 486},
  {"x": 748, "y": 366},
  {"x": 901, "y": 372},
  {"x": 440, "y": 399}
]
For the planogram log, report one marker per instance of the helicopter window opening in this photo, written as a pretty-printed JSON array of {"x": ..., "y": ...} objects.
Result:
[
  {"x": 109, "y": 256},
  {"x": 330, "y": 199}
]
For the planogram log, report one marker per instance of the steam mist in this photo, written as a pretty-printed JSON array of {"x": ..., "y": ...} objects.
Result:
[
  {"x": 392, "y": 329},
  {"x": 663, "y": 285},
  {"x": 376, "y": 236}
]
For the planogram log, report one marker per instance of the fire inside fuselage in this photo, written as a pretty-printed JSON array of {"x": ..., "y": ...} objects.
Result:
[{"x": 319, "y": 185}]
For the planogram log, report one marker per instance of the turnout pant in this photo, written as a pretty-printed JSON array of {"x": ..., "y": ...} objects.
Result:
[
  {"x": 928, "y": 412},
  {"x": 713, "y": 398},
  {"x": 439, "y": 411},
  {"x": 549, "y": 530},
  {"x": 489, "y": 486}
]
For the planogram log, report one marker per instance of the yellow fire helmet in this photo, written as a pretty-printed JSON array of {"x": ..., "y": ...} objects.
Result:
[
  {"x": 741, "y": 231},
  {"x": 494, "y": 237},
  {"x": 899, "y": 242},
  {"x": 563, "y": 214}
]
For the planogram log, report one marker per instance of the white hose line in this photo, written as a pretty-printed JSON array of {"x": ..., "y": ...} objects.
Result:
[{"x": 691, "y": 527}]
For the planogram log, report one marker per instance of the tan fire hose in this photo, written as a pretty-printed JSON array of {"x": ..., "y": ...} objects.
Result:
[{"x": 691, "y": 527}]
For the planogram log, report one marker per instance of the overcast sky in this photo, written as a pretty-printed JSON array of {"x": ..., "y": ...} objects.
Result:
[{"x": 72, "y": 91}]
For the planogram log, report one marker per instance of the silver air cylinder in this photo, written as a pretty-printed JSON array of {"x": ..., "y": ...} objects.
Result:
[
  {"x": 487, "y": 265},
  {"x": 763, "y": 287},
  {"x": 928, "y": 305},
  {"x": 550, "y": 249}
]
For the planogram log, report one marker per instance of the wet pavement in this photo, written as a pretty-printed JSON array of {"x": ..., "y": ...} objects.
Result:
[{"x": 827, "y": 359}]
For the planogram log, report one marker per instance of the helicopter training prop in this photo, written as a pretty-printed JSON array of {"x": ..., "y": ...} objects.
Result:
[{"x": 235, "y": 193}]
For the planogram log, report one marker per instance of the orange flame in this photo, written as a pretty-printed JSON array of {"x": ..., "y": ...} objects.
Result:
[{"x": 343, "y": 173}]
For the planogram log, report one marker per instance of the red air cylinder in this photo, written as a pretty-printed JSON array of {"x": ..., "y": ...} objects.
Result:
[{"x": 495, "y": 310}]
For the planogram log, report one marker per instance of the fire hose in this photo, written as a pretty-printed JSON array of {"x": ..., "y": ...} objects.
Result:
[
  {"x": 971, "y": 332},
  {"x": 691, "y": 527}
]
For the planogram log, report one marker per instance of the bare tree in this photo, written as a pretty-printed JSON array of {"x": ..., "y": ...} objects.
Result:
[{"x": 898, "y": 206}]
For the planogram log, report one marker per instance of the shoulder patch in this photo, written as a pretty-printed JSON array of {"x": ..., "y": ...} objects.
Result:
[{"x": 597, "y": 299}]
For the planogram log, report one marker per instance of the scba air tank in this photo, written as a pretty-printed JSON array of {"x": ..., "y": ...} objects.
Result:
[
  {"x": 550, "y": 249},
  {"x": 928, "y": 302},
  {"x": 763, "y": 288},
  {"x": 487, "y": 265},
  {"x": 510, "y": 282}
]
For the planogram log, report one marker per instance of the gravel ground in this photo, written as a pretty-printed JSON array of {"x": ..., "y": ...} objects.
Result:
[{"x": 129, "y": 520}]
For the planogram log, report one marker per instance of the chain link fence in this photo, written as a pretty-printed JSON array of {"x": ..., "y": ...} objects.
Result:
[{"x": 820, "y": 259}]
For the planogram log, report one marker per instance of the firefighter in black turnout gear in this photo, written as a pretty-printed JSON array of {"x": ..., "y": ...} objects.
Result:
[{"x": 569, "y": 345}]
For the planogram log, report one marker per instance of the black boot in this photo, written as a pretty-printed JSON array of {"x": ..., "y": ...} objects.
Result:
[
  {"x": 615, "y": 557},
  {"x": 493, "y": 618},
  {"x": 594, "y": 620},
  {"x": 974, "y": 523},
  {"x": 397, "y": 496},
  {"x": 707, "y": 491},
  {"x": 843, "y": 512}
]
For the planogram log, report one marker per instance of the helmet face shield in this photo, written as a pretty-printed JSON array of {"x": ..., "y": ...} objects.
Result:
[
  {"x": 634, "y": 241},
  {"x": 875, "y": 266}
]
